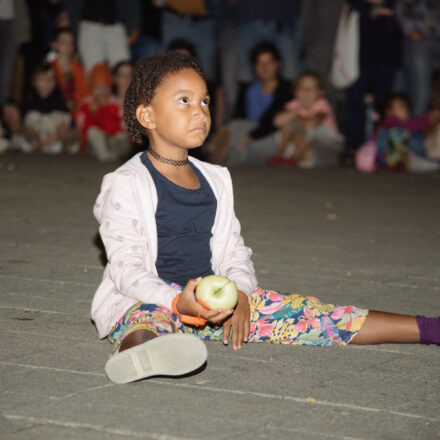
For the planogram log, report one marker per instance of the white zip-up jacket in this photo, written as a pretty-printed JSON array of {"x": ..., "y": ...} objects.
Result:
[{"x": 125, "y": 209}]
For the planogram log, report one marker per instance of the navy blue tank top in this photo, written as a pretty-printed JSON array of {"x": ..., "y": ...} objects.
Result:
[{"x": 184, "y": 219}]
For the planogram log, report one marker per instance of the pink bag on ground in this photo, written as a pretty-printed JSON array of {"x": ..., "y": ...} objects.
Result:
[{"x": 365, "y": 158}]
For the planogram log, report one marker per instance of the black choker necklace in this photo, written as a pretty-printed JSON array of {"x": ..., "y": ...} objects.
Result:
[{"x": 176, "y": 163}]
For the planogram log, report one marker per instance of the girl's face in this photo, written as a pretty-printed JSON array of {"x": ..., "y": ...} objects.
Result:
[
  {"x": 45, "y": 83},
  {"x": 266, "y": 67},
  {"x": 399, "y": 109},
  {"x": 65, "y": 45},
  {"x": 101, "y": 93},
  {"x": 307, "y": 91},
  {"x": 122, "y": 78},
  {"x": 178, "y": 115}
]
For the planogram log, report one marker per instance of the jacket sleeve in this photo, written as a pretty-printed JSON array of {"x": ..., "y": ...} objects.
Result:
[
  {"x": 236, "y": 263},
  {"x": 126, "y": 244}
]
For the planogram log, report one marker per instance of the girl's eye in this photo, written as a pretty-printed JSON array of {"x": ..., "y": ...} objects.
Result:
[
  {"x": 205, "y": 102},
  {"x": 184, "y": 100}
]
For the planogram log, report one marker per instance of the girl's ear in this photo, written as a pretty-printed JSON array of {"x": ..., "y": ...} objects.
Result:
[{"x": 144, "y": 114}]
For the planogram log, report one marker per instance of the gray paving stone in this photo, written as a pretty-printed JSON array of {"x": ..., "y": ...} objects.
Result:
[{"x": 346, "y": 238}]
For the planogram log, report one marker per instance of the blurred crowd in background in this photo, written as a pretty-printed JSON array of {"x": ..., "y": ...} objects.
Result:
[{"x": 65, "y": 66}]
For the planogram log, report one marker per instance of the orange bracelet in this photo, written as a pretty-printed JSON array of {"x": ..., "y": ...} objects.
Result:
[{"x": 197, "y": 321}]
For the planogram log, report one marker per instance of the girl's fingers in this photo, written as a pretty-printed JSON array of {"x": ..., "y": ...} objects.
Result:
[
  {"x": 247, "y": 330},
  {"x": 226, "y": 331},
  {"x": 189, "y": 289},
  {"x": 235, "y": 336},
  {"x": 217, "y": 315},
  {"x": 240, "y": 334}
]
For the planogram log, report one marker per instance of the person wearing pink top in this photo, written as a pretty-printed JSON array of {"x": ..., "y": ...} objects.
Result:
[{"x": 309, "y": 134}]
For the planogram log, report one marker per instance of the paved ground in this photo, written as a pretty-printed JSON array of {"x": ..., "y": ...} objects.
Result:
[{"x": 344, "y": 237}]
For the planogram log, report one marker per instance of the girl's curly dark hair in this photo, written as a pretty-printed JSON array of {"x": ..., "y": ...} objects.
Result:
[{"x": 148, "y": 74}]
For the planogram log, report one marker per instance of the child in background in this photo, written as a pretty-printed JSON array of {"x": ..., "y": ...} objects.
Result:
[
  {"x": 70, "y": 74},
  {"x": 250, "y": 138},
  {"x": 122, "y": 75},
  {"x": 307, "y": 124},
  {"x": 46, "y": 120},
  {"x": 167, "y": 219},
  {"x": 399, "y": 140},
  {"x": 100, "y": 118}
]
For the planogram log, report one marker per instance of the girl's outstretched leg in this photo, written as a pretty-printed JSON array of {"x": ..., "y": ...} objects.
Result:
[{"x": 381, "y": 327}]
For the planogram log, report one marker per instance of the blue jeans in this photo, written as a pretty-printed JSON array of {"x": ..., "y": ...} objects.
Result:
[
  {"x": 200, "y": 33},
  {"x": 418, "y": 61},
  {"x": 287, "y": 38}
]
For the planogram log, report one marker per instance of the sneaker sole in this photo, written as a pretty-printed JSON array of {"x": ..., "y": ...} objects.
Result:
[{"x": 168, "y": 355}]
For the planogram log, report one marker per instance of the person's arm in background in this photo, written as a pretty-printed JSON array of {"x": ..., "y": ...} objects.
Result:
[
  {"x": 413, "y": 25},
  {"x": 283, "y": 117},
  {"x": 418, "y": 123},
  {"x": 131, "y": 15}
]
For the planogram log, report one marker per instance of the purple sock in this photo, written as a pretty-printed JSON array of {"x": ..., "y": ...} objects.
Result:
[{"x": 429, "y": 330}]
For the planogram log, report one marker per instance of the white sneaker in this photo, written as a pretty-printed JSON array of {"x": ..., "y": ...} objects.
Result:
[
  {"x": 169, "y": 355},
  {"x": 419, "y": 164}
]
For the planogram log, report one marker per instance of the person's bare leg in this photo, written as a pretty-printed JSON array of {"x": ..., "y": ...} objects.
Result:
[
  {"x": 286, "y": 137},
  {"x": 136, "y": 338},
  {"x": 220, "y": 142},
  {"x": 301, "y": 147},
  {"x": 381, "y": 328}
]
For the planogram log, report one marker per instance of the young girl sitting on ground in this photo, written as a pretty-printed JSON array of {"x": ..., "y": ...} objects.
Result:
[
  {"x": 167, "y": 219},
  {"x": 307, "y": 123},
  {"x": 399, "y": 140}
]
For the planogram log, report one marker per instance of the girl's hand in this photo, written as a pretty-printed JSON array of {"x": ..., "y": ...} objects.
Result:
[
  {"x": 239, "y": 321},
  {"x": 187, "y": 305}
]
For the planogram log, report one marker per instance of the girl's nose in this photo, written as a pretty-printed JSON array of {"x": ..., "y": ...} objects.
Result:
[{"x": 202, "y": 113}]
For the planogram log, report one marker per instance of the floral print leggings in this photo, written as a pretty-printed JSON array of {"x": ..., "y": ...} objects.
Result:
[{"x": 274, "y": 317}]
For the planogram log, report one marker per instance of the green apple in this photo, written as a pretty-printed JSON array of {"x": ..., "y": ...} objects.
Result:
[{"x": 215, "y": 291}]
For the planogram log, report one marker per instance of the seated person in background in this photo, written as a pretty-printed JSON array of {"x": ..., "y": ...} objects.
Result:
[
  {"x": 122, "y": 74},
  {"x": 309, "y": 134},
  {"x": 46, "y": 120},
  {"x": 398, "y": 142},
  {"x": 250, "y": 138},
  {"x": 100, "y": 118},
  {"x": 70, "y": 74}
]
